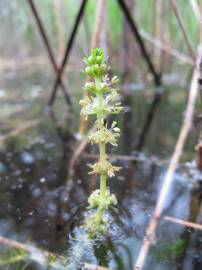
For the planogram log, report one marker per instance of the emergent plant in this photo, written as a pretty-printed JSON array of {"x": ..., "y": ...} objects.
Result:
[{"x": 100, "y": 101}]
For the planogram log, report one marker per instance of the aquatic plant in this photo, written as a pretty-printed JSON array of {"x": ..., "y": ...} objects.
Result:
[
  {"x": 171, "y": 252},
  {"x": 80, "y": 250},
  {"x": 100, "y": 102},
  {"x": 15, "y": 257},
  {"x": 18, "y": 258}
]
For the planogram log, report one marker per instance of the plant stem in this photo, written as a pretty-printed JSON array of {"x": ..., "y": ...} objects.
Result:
[
  {"x": 101, "y": 102},
  {"x": 103, "y": 184},
  {"x": 102, "y": 147}
]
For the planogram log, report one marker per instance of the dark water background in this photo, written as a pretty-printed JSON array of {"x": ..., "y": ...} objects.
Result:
[{"x": 35, "y": 206}]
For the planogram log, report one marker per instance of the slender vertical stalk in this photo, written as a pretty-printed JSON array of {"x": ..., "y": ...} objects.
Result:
[
  {"x": 102, "y": 146},
  {"x": 103, "y": 177},
  {"x": 100, "y": 102}
]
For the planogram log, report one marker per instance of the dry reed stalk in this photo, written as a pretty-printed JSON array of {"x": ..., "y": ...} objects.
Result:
[
  {"x": 21, "y": 128},
  {"x": 162, "y": 46},
  {"x": 184, "y": 223},
  {"x": 88, "y": 266},
  {"x": 69, "y": 45},
  {"x": 59, "y": 27},
  {"x": 183, "y": 29},
  {"x": 159, "y": 33},
  {"x": 49, "y": 50},
  {"x": 30, "y": 249},
  {"x": 75, "y": 155},
  {"x": 196, "y": 9},
  {"x": 27, "y": 248},
  {"x": 168, "y": 180}
]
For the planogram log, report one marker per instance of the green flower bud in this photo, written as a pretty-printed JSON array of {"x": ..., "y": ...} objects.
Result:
[
  {"x": 90, "y": 87},
  {"x": 103, "y": 69},
  {"x": 91, "y": 60},
  {"x": 88, "y": 70},
  {"x": 99, "y": 59}
]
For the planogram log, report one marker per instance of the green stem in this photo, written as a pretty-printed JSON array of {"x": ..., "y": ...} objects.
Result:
[
  {"x": 102, "y": 149},
  {"x": 102, "y": 146},
  {"x": 103, "y": 184},
  {"x": 103, "y": 177}
]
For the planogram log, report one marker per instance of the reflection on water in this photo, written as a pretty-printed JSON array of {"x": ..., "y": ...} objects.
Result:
[{"x": 36, "y": 207}]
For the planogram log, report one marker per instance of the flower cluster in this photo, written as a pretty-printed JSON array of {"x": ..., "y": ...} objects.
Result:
[
  {"x": 105, "y": 135},
  {"x": 104, "y": 167},
  {"x": 101, "y": 87},
  {"x": 96, "y": 226},
  {"x": 95, "y": 200},
  {"x": 96, "y": 66},
  {"x": 97, "y": 222},
  {"x": 92, "y": 105}
]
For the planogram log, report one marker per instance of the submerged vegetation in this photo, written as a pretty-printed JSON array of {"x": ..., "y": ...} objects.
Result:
[{"x": 100, "y": 101}]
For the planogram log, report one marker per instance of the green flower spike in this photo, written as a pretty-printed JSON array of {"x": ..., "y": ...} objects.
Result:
[{"x": 101, "y": 101}]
